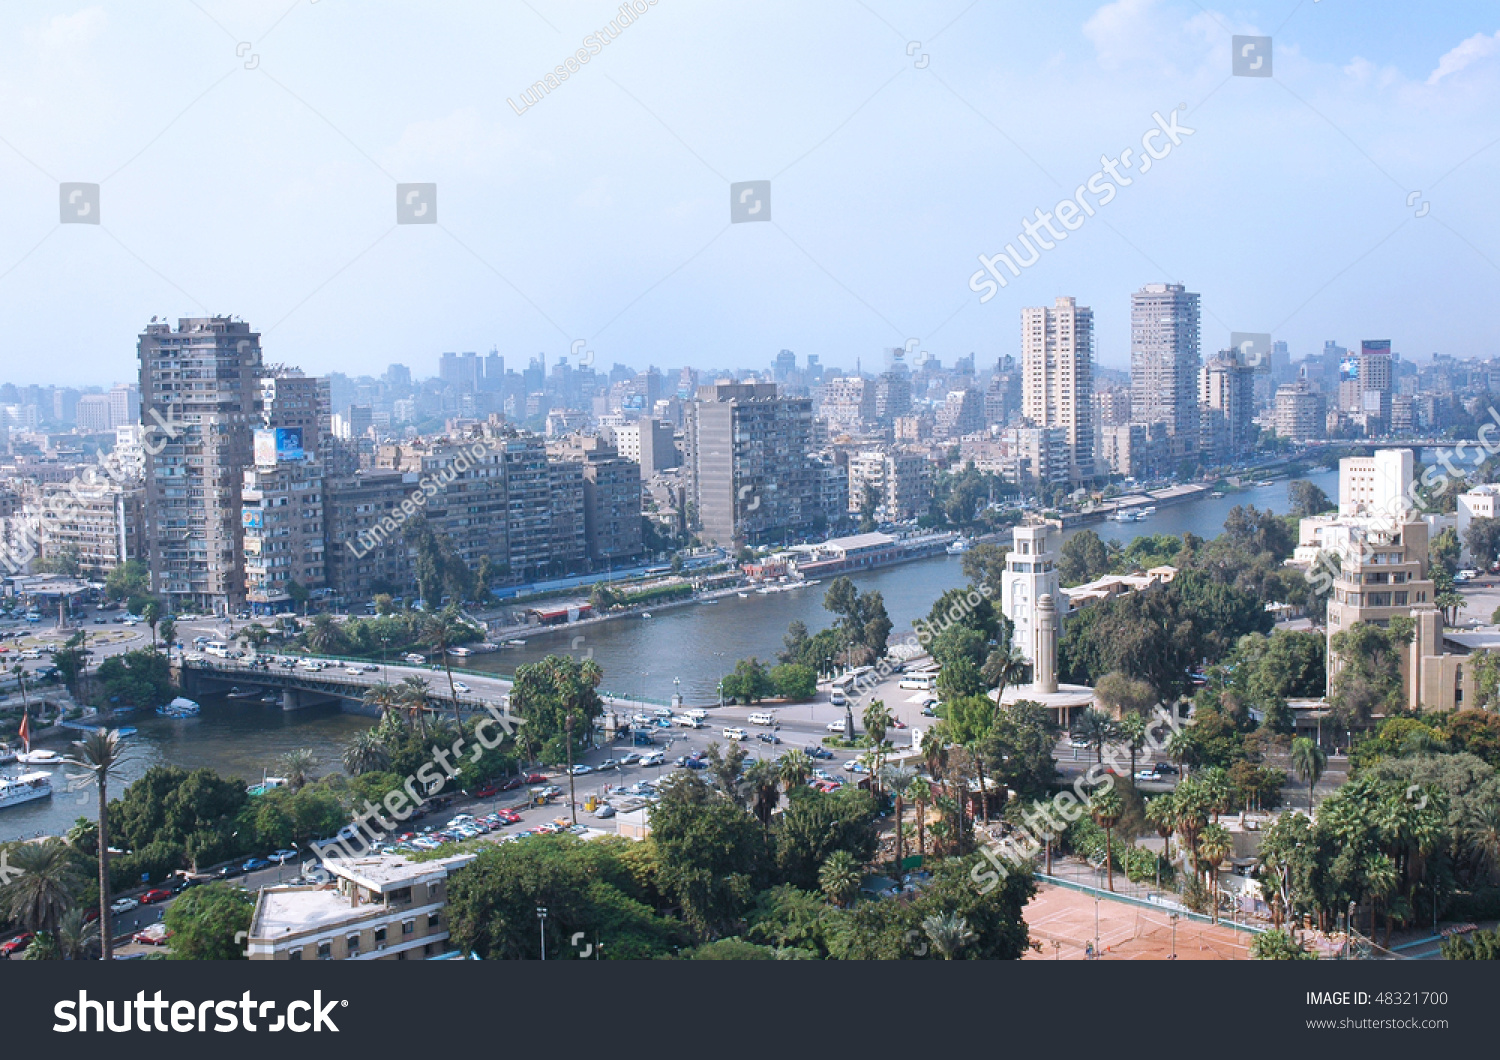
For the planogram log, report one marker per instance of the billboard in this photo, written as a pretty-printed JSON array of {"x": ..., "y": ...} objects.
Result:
[{"x": 274, "y": 445}]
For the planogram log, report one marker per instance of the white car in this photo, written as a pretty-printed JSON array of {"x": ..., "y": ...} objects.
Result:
[
  {"x": 459, "y": 686},
  {"x": 836, "y": 726},
  {"x": 655, "y": 758},
  {"x": 353, "y": 671},
  {"x": 736, "y": 734},
  {"x": 123, "y": 905},
  {"x": 697, "y": 712}
]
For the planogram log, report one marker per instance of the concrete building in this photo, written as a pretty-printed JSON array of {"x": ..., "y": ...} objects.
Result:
[
  {"x": 847, "y": 404},
  {"x": 648, "y": 442},
  {"x": 1378, "y": 485},
  {"x": 1035, "y": 458},
  {"x": 1057, "y": 353},
  {"x": 892, "y": 394},
  {"x": 100, "y": 525},
  {"x": 1123, "y": 449},
  {"x": 1301, "y": 414},
  {"x": 1030, "y": 574},
  {"x": 358, "y": 569},
  {"x": 202, "y": 381},
  {"x": 901, "y": 479},
  {"x": 961, "y": 413},
  {"x": 1226, "y": 392},
  {"x": 1164, "y": 348},
  {"x": 281, "y": 511},
  {"x": 382, "y": 908},
  {"x": 749, "y": 473},
  {"x": 1476, "y": 503},
  {"x": 94, "y": 412}
]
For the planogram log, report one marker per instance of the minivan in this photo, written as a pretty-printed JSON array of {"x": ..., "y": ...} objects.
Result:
[
  {"x": 686, "y": 722},
  {"x": 762, "y": 718},
  {"x": 838, "y": 699}
]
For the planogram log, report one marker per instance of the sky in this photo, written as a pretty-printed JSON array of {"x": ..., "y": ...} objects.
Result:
[{"x": 248, "y": 155}]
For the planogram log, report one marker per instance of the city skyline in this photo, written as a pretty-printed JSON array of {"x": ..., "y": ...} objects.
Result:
[{"x": 889, "y": 176}]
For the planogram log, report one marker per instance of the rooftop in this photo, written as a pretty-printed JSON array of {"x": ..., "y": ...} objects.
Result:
[
  {"x": 298, "y": 910},
  {"x": 390, "y": 871}
]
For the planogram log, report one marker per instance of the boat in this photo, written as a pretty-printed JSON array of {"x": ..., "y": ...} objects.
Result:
[
  {"x": 1216, "y": 494},
  {"x": 460, "y": 653},
  {"x": 236, "y": 692},
  {"x": 39, "y": 758},
  {"x": 645, "y": 614},
  {"x": 708, "y": 601},
  {"x": 1122, "y": 517},
  {"x": 515, "y": 642},
  {"x": 743, "y": 596},
  {"x": 958, "y": 548},
  {"x": 181, "y": 707},
  {"x": 271, "y": 697},
  {"x": 1149, "y": 509},
  {"x": 266, "y": 784},
  {"x": 25, "y": 788}
]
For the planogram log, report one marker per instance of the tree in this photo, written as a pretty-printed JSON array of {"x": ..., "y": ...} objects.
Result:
[
  {"x": 1132, "y": 729},
  {"x": 1161, "y": 814},
  {"x": 898, "y": 781},
  {"x": 40, "y": 885},
  {"x": 1444, "y": 551},
  {"x": 1084, "y": 557},
  {"x": 794, "y": 682},
  {"x": 763, "y": 781},
  {"x": 750, "y": 682},
  {"x": 794, "y": 768},
  {"x": 366, "y": 753},
  {"x": 1214, "y": 845},
  {"x": 1483, "y": 541},
  {"x": 129, "y": 580},
  {"x": 1308, "y": 761},
  {"x": 546, "y": 692},
  {"x": 949, "y": 933},
  {"x": 151, "y": 614},
  {"x": 101, "y": 754},
  {"x": 440, "y": 630},
  {"x": 708, "y": 853},
  {"x": 1097, "y": 729},
  {"x": 210, "y": 923},
  {"x": 877, "y": 719},
  {"x": 1106, "y": 807},
  {"x": 298, "y": 767},
  {"x": 167, "y": 627},
  {"x": 839, "y": 878},
  {"x": 1278, "y": 945},
  {"x": 71, "y": 659},
  {"x": 77, "y": 936},
  {"x": 324, "y": 637},
  {"x": 1307, "y": 499}
]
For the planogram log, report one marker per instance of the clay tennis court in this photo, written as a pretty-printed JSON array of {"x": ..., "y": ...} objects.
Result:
[{"x": 1063, "y": 922}]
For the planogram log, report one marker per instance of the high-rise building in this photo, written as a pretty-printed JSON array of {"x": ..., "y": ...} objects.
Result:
[
  {"x": 125, "y": 404},
  {"x": 901, "y": 482},
  {"x": 649, "y": 443},
  {"x": 961, "y": 413},
  {"x": 749, "y": 470},
  {"x": 1164, "y": 338},
  {"x": 847, "y": 404},
  {"x": 1226, "y": 390},
  {"x": 358, "y": 566},
  {"x": 201, "y": 382},
  {"x": 611, "y": 498},
  {"x": 93, "y": 412},
  {"x": 892, "y": 394},
  {"x": 101, "y": 525},
  {"x": 281, "y": 512},
  {"x": 1057, "y": 387}
]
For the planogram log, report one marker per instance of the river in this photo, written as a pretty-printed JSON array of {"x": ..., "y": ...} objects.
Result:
[{"x": 685, "y": 648}]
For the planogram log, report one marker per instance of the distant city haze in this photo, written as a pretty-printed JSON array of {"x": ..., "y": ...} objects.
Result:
[{"x": 238, "y": 157}]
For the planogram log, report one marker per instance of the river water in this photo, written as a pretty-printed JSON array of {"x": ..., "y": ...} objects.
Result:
[{"x": 685, "y": 648}]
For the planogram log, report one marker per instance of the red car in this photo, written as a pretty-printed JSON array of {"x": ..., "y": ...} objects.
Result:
[
  {"x": 511, "y": 785},
  {"x": 508, "y": 816},
  {"x": 156, "y": 894},
  {"x": 10, "y": 947},
  {"x": 489, "y": 791},
  {"x": 536, "y": 778}
]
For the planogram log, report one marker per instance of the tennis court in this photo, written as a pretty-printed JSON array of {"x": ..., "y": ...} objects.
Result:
[{"x": 1062, "y": 921}]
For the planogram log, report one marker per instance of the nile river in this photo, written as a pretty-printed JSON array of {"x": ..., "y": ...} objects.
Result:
[{"x": 684, "y": 648}]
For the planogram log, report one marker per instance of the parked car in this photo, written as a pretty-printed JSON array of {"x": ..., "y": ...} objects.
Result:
[
  {"x": 255, "y": 865},
  {"x": 281, "y": 857},
  {"x": 1165, "y": 769},
  {"x": 487, "y": 791},
  {"x": 605, "y": 811},
  {"x": 580, "y": 770},
  {"x": 156, "y": 894},
  {"x": 123, "y": 905},
  {"x": 608, "y": 763},
  {"x": 536, "y": 778},
  {"x": 155, "y": 935},
  {"x": 12, "y": 946},
  {"x": 655, "y": 758}
]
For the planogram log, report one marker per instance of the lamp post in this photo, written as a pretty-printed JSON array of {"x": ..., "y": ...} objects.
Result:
[
  {"x": 541, "y": 919},
  {"x": 385, "y": 643},
  {"x": 721, "y": 678},
  {"x": 1173, "y": 918}
]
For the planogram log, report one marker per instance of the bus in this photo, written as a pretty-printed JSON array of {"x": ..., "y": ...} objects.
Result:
[
  {"x": 846, "y": 682},
  {"x": 217, "y": 647}
]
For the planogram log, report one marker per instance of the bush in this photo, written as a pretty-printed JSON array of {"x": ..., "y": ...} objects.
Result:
[
  {"x": 1279, "y": 946},
  {"x": 1477, "y": 946},
  {"x": 155, "y": 861},
  {"x": 795, "y": 682}
]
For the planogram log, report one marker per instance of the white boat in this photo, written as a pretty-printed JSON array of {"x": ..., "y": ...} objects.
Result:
[
  {"x": 181, "y": 707},
  {"x": 743, "y": 596},
  {"x": 25, "y": 788},
  {"x": 460, "y": 653},
  {"x": 645, "y": 614},
  {"x": 708, "y": 601},
  {"x": 1216, "y": 494},
  {"x": 515, "y": 642},
  {"x": 39, "y": 758},
  {"x": 958, "y": 547},
  {"x": 1149, "y": 509}
]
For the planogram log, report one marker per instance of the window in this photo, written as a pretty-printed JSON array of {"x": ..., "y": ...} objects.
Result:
[
  {"x": 325, "y": 950},
  {"x": 352, "y": 944},
  {"x": 408, "y": 927},
  {"x": 295, "y": 955},
  {"x": 379, "y": 936},
  {"x": 434, "y": 921}
]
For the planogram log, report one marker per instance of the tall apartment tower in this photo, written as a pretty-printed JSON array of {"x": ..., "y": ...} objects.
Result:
[
  {"x": 202, "y": 381},
  {"x": 1164, "y": 337},
  {"x": 1057, "y": 388},
  {"x": 748, "y": 469}
]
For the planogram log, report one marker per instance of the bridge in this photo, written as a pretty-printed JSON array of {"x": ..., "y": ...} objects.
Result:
[{"x": 300, "y": 687}]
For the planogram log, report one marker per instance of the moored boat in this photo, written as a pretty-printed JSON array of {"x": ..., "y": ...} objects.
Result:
[{"x": 24, "y": 788}]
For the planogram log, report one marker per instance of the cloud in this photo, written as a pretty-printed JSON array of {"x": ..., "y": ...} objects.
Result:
[
  {"x": 67, "y": 33},
  {"x": 1470, "y": 51},
  {"x": 1121, "y": 31}
]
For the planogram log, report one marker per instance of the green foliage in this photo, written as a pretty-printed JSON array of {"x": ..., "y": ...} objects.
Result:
[
  {"x": 140, "y": 678},
  {"x": 816, "y": 825},
  {"x": 1370, "y": 679},
  {"x": 1018, "y": 749},
  {"x": 794, "y": 682},
  {"x": 749, "y": 683},
  {"x": 1278, "y": 945},
  {"x": 864, "y": 626},
  {"x": 129, "y": 580},
  {"x": 210, "y": 923},
  {"x": 546, "y": 693},
  {"x": 1307, "y": 499},
  {"x": 1476, "y": 946},
  {"x": 1084, "y": 557},
  {"x": 1483, "y": 541},
  {"x": 197, "y": 811},
  {"x": 709, "y": 853}
]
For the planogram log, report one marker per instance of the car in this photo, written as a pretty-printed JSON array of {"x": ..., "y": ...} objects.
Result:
[
  {"x": 630, "y": 759},
  {"x": 819, "y": 752},
  {"x": 767, "y": 737},
  {"x": 929, "y": 712},
  {"x": 1146, "y": 774},
  {"x": 697, "y": 712},
  {"x": 155, "y": 935},
  {"x": 655, "y": 758},
  {"x": 608, "y": 763},
  {"x": 536, "y": 778},
  {"x": 604, "y": 811},
  {"x": 897, "y": 723},
  {"x": 281, "y": 857},
  {"x": 1165, "y": 769},
  {"x": 255, "y": 865},
  {"x": 488, "y": 791},
  {"x": 12, "y": 946},
  {"x": 101, "y": 621},
  {"x": 1078, "y": 743},
  {"x": 353, "y": 671},
  {"x": 762, "y": 718},
  {"x": 123, "y": 905},
  {"x": 641, "y": 719},
  {"x": 735, "y": 733},
  {"x": 580, "y": 770},
  {"x": 156, "y": 894},
  {"x": 459, "y": 686},
  {"x": 696, "y": 763},
  {"x": 835, "y": 726},
  {"x": 854, "y": 765}
]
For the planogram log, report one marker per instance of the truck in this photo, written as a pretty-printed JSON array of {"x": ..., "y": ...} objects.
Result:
[
  {"x": 641, "y": 738},
  {"x": 685, "y": 722}
]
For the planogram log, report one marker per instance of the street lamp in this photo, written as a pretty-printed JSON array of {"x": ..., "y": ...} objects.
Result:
[
  {"x": 541, "y": 919},
  {"x": 721, "y": 678},
  {"x": 1173, "y": 917}
]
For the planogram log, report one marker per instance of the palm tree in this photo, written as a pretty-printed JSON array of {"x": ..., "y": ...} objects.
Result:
[
  {"x": 324, "y": 636},
  {"x": 101, "y": 754},
  {"x": 439, "y": 630},
  {"x": 298, "y": 767},
  {"x": 1107, "y": 808},
  {"x": 1482, "y": 837},
  {"x": 921, "y": 794},
  {"x": 366, "y": 754},
  {"x": 45, "y": 878},
  {"x": 385, "y": 696},
  {"x": 1185, "y": 748},
  {"x": 412, "y": 694},
  {"x": 77, "y": 937},
  {"x": 1132, "y": 729},
  {"x": 794, "y": 768},
  {"x": 151, "y": 614},
  {"x": 877, "y": 719},
  {"x": 568, "y": 740},
  {"x": 765, "y": 793},
  {"x": 1003, "y": 667},
  {"x": 898, "y": 780},
  {"x": 839, "y": 877},
  {"x": 1161, "y": 814},
  {"x": 1308, "y": 760},
  {"x": 949, "y": 933},
  {"x": 168, "y": 629},
  {"x": 1214, "y": 845},
  {"x": 1097, "y": 729}
]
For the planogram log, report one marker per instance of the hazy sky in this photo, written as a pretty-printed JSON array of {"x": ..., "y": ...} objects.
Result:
[{"x": 602, "y": 213}]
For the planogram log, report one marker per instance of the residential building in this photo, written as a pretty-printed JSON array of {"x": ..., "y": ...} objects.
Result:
[
  {"x": 900, "y": 478},
  {"x": 1301, "y": 415},
  {"x": 101, "y": 525},
  {"x": 961, "y": 413},
  {"x": 1164, "y": 348},
  {"x": 847, "y": 404},
  {"x": 281, "y": 511},
  {"x": 94, "y": 412},
  {"x": 1123, "y": 448},
  {"x": 1226, "y": 391},
  {"x": 1478, "y": 502},
  {"x": 1057, "y": 353},
  {"x": 201, "y": 380},
  {"x": 356, "y": 568},
  {"x": 382, "y": 908}
]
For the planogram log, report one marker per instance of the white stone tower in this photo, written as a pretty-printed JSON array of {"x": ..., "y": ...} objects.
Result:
[{"x": 1030, "y": 574}]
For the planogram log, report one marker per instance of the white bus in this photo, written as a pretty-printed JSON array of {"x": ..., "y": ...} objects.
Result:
[
  {"x": 847, "y": 681},
  {"x": 217, "y": 647}
]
